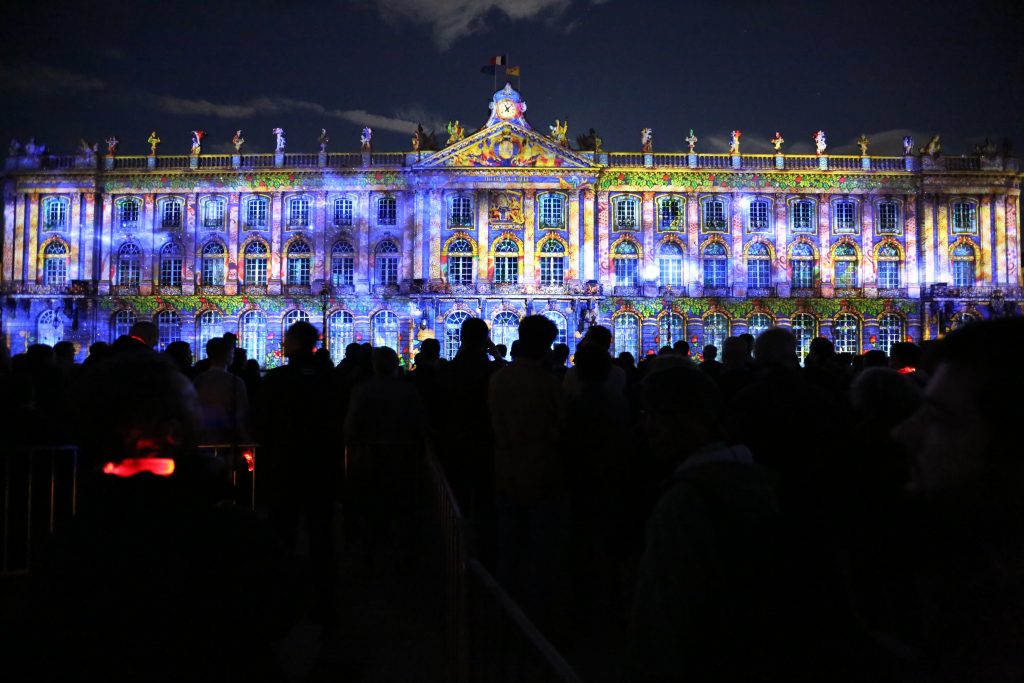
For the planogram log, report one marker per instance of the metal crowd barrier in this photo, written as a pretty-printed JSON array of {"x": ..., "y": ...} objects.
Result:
[
  {"x": 488, "y": 637},
  {"x": 39, "y": 485}
]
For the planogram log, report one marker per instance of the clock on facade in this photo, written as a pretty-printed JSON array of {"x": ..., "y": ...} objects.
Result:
[{"x": 506, "y": 109}]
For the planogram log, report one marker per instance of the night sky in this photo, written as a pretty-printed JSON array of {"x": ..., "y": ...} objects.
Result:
[{"x": 73, "y": 70}]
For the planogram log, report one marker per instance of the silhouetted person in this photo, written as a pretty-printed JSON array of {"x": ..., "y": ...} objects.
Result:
[
  {"x": 682, "y": 347},
  {"x": 736, "y": 367},
  {"x": 710, "y": 365},
  {"x": 144, "y": 334},
  {"x": 601, "y": 337},
  {"x": 559, "y": 357},
  {"x": 875, "y": 358},
  {"x": 181, "y": 353},
  {"x": 223, "y": 399}
]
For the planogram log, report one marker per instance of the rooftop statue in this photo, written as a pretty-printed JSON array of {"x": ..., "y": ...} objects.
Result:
[
  {"x": 932, "y": 149},
  {"x": 455, "y": 133},
  {"x": 32, "y": 149},
  {"x": 279, "y": 143},
  {"x": 734, "y": 142},
  {"x": 647, "y": 141},
  {"x": 908, "y": 145},
  {"x": 324, "y": 139},
  {"x": 112, "y": 143},
  {"x": 416, "y": 139},
  {"x": 365, "y": 138},
  {"x": 863, "y": 143},
  {"x": 153, "y": 141},
  {"x": 820, "y": 145},
  {"x": 691, "y": 140},
  {"x": 560, "y": 132},
  {"x": 589, "y": 142},
  {"x": 427, "y": 141},
  {"x": 85, "y": 151},
  {"x": 14, "y": 149},
  {"x": 777, "y": 142},
  {"x": 197, "y": 142},
  {"x": 237, "y": 140}
]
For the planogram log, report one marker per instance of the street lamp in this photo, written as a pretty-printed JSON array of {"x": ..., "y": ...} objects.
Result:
[{"x": 325, "y": 300}]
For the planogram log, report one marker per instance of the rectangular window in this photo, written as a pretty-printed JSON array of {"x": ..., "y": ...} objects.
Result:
[
  {"x": 128, "y": 213},
  {"x": 506, "y": 269},
  {"x": 625, "y": 214},
  {"x": 213, "y": 270},
  {"x": 803, "y": 275},
  {"x": 56, "y": 217},
  {"x": 714, "y": 216},
  {"x": 387, "y": 211},
  {"x": 670, "y": 213},
  {"x": 387, "y": 270},
  {"x": 888, "y": 218},
  {"x": 551, "y": 211},
  {"x": 298, "y": 270},
  {"x": 802, "y": 214},
  {"x": 552, "y": 271},
  {"x": 342, "y": 270},
  {"x": 460, "y": 270},
  {"x": 758, "y": 217},
  {"x": 844, "y": 219},
  {"x": 256, "y": 270},
  {"x": 714, "y": 272},
  {"x": 626, "y": 272},
  {"x": 298, "y": 212},
  {"x": 56, "y": 271},
  {"x": 213, "y": 215},
  {"x": 462, "y": 212},
  {"x": 846, "y": 274},
  {"x": 171, "y": 215},
  {"x": 670, "y": 271},
  {"x": 130, "y": 274},
  {"x": 759, "y": 273},
  {"x": 256, "y": 213},
  {"x": 965, "y": 218},
  {"x": 888, "y": 274},
  {"x": 342, "y": 211},
  {"x": 170, "y": 272},
  {"x": 963, "y": 273}
]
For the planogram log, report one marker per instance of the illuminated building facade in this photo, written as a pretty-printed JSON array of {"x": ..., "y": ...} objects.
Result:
[{"x": 397, "y": 247}]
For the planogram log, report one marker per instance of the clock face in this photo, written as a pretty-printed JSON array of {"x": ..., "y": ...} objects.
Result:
[{"x": 507, "y": 109}]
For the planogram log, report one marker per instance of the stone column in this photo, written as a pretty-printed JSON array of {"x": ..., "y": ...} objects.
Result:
[
  {"x": 106, "y": 237},
  {"x": 364, "y": 258},
  {"x": 604, "y": 273},
  {"x": 435, "y": 210},
  {"x": 75, "y": 231},
  {"x": 1000, "y": 247},
  {"x": 190, "y": 242},
  {"x": 32, "y": 242},
  {"x": 407, "y": 221},
  {"x": 148, "y": 241},
  {"x": 738, "y": 271},
  {"x": 868, "y": 267},
  {"x": 1013, "y": 246},
  {"x": 941, "y": 237},
  {"x": 986, "y": 271},
  {"x": 910, "y": 236},
  {"x": 9, "y": 222},
  {"x": 780, "y": 276},
  {"x": 19, "y": 237},
  {"x": 419, "y": 211},
  {"x": 234, "y": 219},
  {"x": 589, "y": 238},
  {"x": 529, "y": 216},
  {"x": 647, "y": 231},
  {"x": 573, "y": 228},
  {"x": 483, "y": 242},
  {"x": 275, "y": 276},
  {"x": 691, "y": 264},
  {"x": 927, "y": 233},
  {"x": 321, "y": 249},
  {"x": 824, "y": 239}
]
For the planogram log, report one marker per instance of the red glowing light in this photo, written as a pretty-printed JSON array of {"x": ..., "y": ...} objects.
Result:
[
  {"x": 162, "y": 467},
  {"x": 907, "y": 370},
  {"x": 250, "y": 460},
  {"x": 873, "y": 339}
]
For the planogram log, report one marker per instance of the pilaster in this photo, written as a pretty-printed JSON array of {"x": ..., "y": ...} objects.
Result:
[
  {"x": 190, "y": 243},
  {"x": 435, "y": 209},
  {"x": 780, "y": 276},
  {"x": 32, "y": 243},
  {"x": 234, "y": 219},
  {"x": 483, "y": 242},
  {"x": 738, "y": 275},
  {"x": 985, "y": 270},
  {"x": 275, "y": 276},
  {"x": 7, "y": 274},
  {"x": 930, "y": 274},
  {"x": 408, "y": 218},
  {"x": 868, "y": 267},
  {"x": 1013, "y": 246},
  {"x": 75, "y": 231},
  {"x": 999, "y": 250},
  {"x": 589, "y": 244},
  {"x": 105, "y": 242},
  {"x": 573, "y": 229},
  {"x": 418, "y": 212},
  {"x": 148, "y": 241},
  {"x": 364, "y": 260},
  {"x": 529, "y": 228},
  {"x": 18, "y": 273},
  {"x": 604, "y": 274},
  {"x": 824, "y": 238},
  {"x": 692, "y": 270},
  {"x": 941, "y": 236},
  {"x": 911, "y": 237},
  {"x": 647, "y": 235}
]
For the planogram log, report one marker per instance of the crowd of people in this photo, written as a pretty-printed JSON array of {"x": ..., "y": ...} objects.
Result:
[{"x": 855, "y": 518}]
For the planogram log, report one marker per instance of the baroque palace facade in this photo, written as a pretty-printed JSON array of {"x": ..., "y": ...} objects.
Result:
[{"x": 394, "y": 248}]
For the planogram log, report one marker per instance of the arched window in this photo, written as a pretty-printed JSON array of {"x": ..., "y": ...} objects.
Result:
[
  {"x": 805, "y": 329},
  {"x": 846, "y": 333},
  {"x": 890, "y": 330},
  {"x": 55, "y": 264},
  {"x": 298, "y": 212},
  {"x": 169, "y": 325},
  {"x": 461, "y": 213},
  {"x": 343, "y": 263},
  {"x": 888, "y": 266},
  {"x": 126, "y": 210},
  {"x": 129, "y": 271},
  {"x": 256, "y": 212},
  {"x": 759, "y": 215},
  {"x": 626, "y": 260},
  {"x": 256, "y": 263},
  {"x": 844, "y": 217},
  {"x": 552, "y": 211},
  {"x": 801, "y": 216},
  {"x": 387, "y": 263},
  {"x": 300, "y": 263},
  {"x": 759, "y": 322},
  {"x": 713, "y": 217},
  {"x": 342, "y": 212},
  {"x": 460, "y": 262},
  {"x": 385, "y": 330},
  {"x": 670, "y": 265},
  {"x": 802, "y": 262},
  {"x": 341, "y": 332},
  {"x": 963, "y": 218},
  {"x": 211, "y": 325},
  {"x": 552, "y": 263},
  {"x": 964, "y": 260},
  {"x": 716, "y": 329},
  {"x": 715, "y": 265},
  {"x": 55, "y": 213},
  {"x": 506, "y": 262},
  {"x": 671, "y": 328},
  {"x": 121, "y": 323},
  {"x": 505, "y": 328},
  {"x": 626, "y": 335},
  {"x": 626, "y": 212},
  {"x": 214, "y": 257},
  {"x": 846, "y": 265},
  {"x": 759, "y": 266},
  {"x": 213, "y": 213},
  {"x": 294, "y": 316},
  {"x": 253, "y": 329},
  {"x": 671, "y": 213},
  {"x": 560, "y": 322},
  {"x": 170, "y": 212},
  {"x": 453, "y": 332},
  {"x": 170, "y": 265},
  {"x": 387, "y": 211},
  {"x": 49, "y": 328}
]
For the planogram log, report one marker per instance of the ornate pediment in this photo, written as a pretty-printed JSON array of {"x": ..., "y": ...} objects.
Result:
[{"x": 505, "y": 145}]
